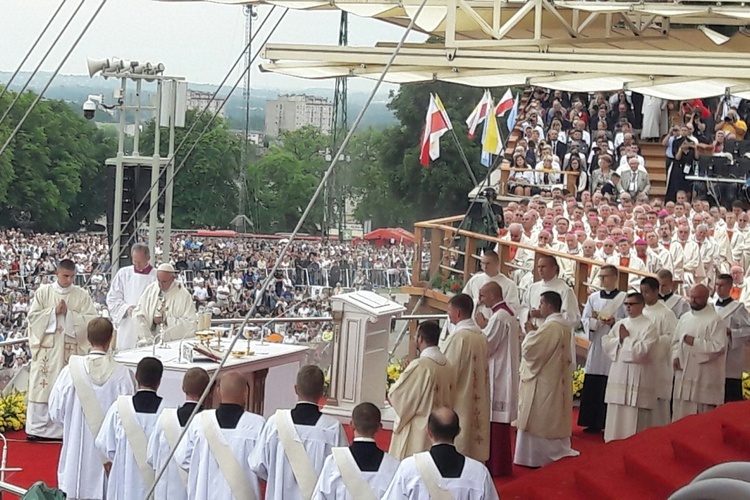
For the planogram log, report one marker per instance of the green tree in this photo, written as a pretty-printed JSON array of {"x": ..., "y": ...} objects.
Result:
[
  {"x": 205, "y": 188},
  {"x": 52, "y": 173},
  {"x": 283, "y": 181}
]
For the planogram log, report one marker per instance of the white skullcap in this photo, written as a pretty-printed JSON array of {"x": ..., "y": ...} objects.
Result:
[{"x": 167, "y": 268}]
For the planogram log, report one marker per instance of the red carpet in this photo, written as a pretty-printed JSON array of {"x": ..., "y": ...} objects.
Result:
[{"x": 651, "y": 464}]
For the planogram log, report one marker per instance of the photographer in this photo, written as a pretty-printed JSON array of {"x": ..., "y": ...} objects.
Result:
[{"x": 732, "y": 124}]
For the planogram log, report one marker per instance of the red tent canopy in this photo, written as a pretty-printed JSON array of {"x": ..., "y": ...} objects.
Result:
[{"x": 390, "y": 235}]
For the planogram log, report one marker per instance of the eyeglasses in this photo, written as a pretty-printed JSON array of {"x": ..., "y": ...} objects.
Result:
[{"x": 632, "y": 303}]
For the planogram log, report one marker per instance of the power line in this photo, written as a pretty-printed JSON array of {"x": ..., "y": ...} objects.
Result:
[
  {"x": 38, "y": 66},
  {"x": 57, "y": 70},
  {"x": 285, "y": 250},
  {"x": 33, "y": 46}
]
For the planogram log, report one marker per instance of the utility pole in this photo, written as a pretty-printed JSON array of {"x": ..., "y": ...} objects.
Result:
[
  {"x": 336, "y": 198},
  {"x": 241, "y": 221}
]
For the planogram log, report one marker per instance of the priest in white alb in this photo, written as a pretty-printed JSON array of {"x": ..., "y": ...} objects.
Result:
[
  {"x": 165, "y": 306},
  {"x": 174, "y": 482},
  {"x": 602, "y": 310},
  {"x": 83, "y": 392},
  {"x": 426, "y": 383},
  {"x": 466, "y": 350},
  {"x": 667, "y": 292},
  {"x": 123, "y": 438},
  {"x": 545, "y": 395},
  {"x": 362, "y": 471},
  {"x": 443, "y": 473},
  {"x": 504, "y": 351},
  {"x": 491, "y": 272},
  {"x": 294, "y": 443},
  {"x": 126, "y": 289},
  {"x": 737, "y": 320},
  {"x": 665, "y": 323},
  {"x": 217, "y": 445},
  {"x": 699, "y": 358},
  {"x": 58, "y": 320},
  {"x": 631, "y": 392}
]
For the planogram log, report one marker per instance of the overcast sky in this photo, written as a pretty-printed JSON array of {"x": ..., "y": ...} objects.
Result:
[{"x": 195, "y": 39}]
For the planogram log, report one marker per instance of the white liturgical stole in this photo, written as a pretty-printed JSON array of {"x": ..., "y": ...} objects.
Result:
[
  {"x": 431, "y": 476},
  {"x": 92, "y": 410},
  {"x": 136, "y": 438},
  {"x": 228, "y": 464},
  {"x": 295, "y": 452},
  {"x": 351, "y": 476},
  {"x": 171, "y": 425}
]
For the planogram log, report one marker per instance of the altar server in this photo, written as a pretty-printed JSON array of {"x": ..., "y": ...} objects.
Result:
[
  {"x": 164, "y": 438},
  {"x": 631, "y": 395},
  {"x": 466, "y": 350},
  {"x": 217, "y": 445},
  {"x": 362, "y": 470},
  {"x": 545, "y": 398},
  {"x": 665, "y": 323},
  {"x": 126, "y": 289},
  {"x": 425, "y": 384},
  {"x": 672, "y": 300},
  {"x": 83, "y": 392},
  {"x": 58, "y": 318},
  {"x": 294, "y": 443},
  {"x": 699, "y": 359},
  {"x": 504, "y": 352},
  {"x": 737, "y": 320},
  {"x": 602, "y": 310},
  {"x": 491, "y": 272},
  {"x": 166, "y": 304},
  {"x": 443, "y": 472},
  {"x": 124, "y": 435}
]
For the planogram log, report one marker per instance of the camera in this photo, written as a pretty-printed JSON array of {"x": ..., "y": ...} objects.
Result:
[
  {"x": 727, "y": 118},
  {"x": 89, "y": 109}
]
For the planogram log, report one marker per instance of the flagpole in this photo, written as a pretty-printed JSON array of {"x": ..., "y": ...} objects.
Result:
[{"x": 463, "y": 157}]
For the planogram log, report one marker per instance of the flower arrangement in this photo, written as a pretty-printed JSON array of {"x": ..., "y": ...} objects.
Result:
[
  {"x": 745, "y": 385},
  {"x": 327, "y": 335},
  {"x": 578, "y": 375},
  {"x": 446, "y": 284},
  {"x": 13, "y": 411},
  {"x": 393, "y": 372}
]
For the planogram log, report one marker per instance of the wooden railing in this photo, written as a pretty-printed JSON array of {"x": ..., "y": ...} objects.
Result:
[{"x": 442, "y": 236}]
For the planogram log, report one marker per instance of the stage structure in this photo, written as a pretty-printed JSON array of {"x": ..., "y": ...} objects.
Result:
[
  {"x": 671, "y": 50},
  {"x": 133, "y": 176}
]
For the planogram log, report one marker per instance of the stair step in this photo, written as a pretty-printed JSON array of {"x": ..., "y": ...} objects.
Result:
[
  {"x": 736, "y": 435},
  {"x": 645, "y": 469}
]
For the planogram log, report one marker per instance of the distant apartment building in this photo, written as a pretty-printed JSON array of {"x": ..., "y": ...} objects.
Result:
[
  {"x": 198, "y": 100},
  {"x": 293, "y": 111}
]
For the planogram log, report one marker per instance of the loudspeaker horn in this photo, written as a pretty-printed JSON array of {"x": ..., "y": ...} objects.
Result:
[{"x": 96, "y": 65}]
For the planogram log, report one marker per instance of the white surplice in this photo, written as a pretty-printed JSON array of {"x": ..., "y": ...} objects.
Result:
[
  {"x": 181, "y": 318},
  {"x": 657, "y": 259},
  {"x": 331, "y": 485},
  {"x": 80, "y": 473},
  {"x": 597, "y": 362},
  {"x": 206, "y": 479},
  {"x": 475, "y": 482},
  {"x": 686, "y": 258},
  {"x": 677, "y": 304},
  {"x": 737, "y": 319},
  {"x": 172, "y": 484},
  {"x": 665, "y": 322},
  {"x": 631, "y": 381},
  {"x": 269, "y": 461},
  {"x": 504, "y": 351},
  {"x": 125, "y": 479},
  {"x": 699, "y": 385},
  {"x": 124, "y": 292}
]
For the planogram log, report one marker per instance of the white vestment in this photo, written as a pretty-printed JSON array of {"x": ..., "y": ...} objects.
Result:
[
  {"x": 686, "y": 258},
  {"x": 124, "y": 293},
  {"x": 665, "y": 322},
  {"x": 654, "y": 117},
  {"x": 53, "y": 338},
  {"x": 331, "y": 485},
  {"x": 173, "y": 482},
  {"x": 597, "y": 362},
  {"x": 509, "y": 288},
  {"x": 504, "y": 352},
  {"x": 631, "y": 382},
  {"x": 699, "y": 385},
  {"x": 206, "y": 478},
  {"x": 181, "y": 319},
  {"x": 126, "y": 481},
  {"x": 269, "y": 459},
  {"x": 677, "y": 304},
  {"x": 737, "y": 319},
  {"x": 80, "y": 472},
  {"x": 475, "y": 482},
  {"x": 657, "y": 259}
]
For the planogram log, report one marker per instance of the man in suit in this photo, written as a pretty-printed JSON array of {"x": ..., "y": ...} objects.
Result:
[
  {"x": 559, "y": 148},
  {"x": 634, "y": 181}
]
